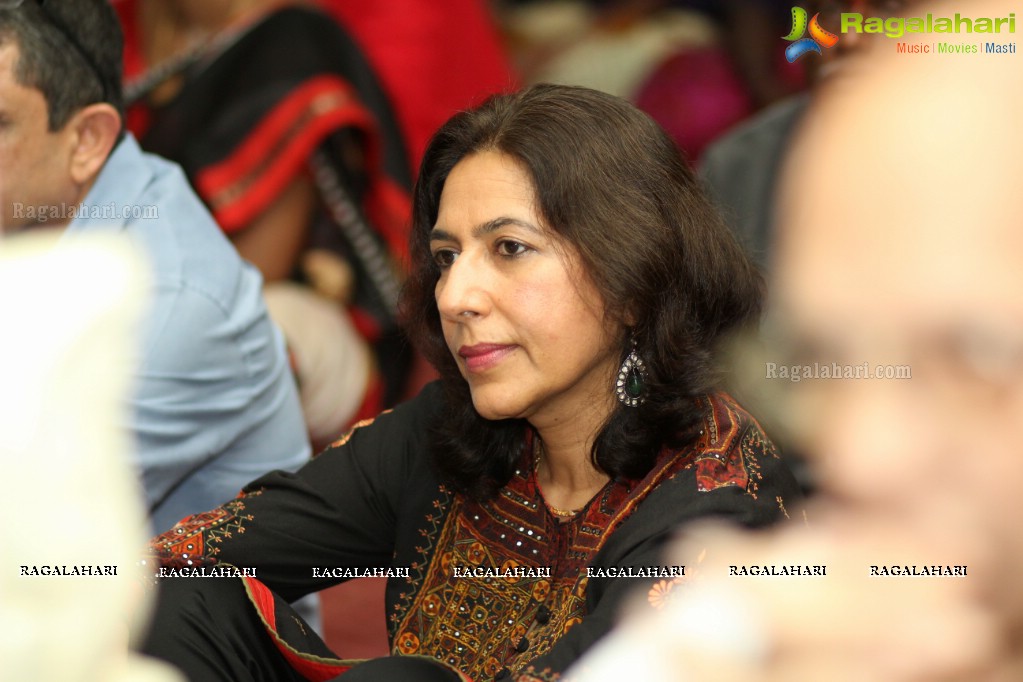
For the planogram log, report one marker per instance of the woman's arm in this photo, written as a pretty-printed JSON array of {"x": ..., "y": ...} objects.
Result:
[
  {"x": 273, "y": 240},
  {"x": 339, "y": 511}
]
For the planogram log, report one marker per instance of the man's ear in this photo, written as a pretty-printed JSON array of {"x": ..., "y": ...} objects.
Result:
[{"x": 94, "y": 132}]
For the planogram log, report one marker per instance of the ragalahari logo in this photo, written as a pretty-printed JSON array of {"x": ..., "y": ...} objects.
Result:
[{"x": 819, "y": 36}]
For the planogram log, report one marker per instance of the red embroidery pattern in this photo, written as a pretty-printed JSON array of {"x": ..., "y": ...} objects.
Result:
[
  {"x": 194, "y": 542},
  {"x": 482, "y": 624}
]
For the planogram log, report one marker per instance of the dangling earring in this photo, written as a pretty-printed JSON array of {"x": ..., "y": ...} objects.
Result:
[{"x": 630, "y": 381}]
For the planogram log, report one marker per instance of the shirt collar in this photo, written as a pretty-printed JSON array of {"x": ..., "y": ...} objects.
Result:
[{"x": 120, "y": 184}]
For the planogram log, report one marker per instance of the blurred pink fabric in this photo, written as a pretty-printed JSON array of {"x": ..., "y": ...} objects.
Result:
[{"x": 696, "y": 95}]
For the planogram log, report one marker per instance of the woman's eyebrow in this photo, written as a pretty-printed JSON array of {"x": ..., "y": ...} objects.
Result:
[
  {"x": 439, "y": 235},
  {"x": 483, "y": 229},
  {"x": 498, "y": 223}
]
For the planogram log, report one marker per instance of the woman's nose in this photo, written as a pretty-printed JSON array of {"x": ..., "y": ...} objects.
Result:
[{"x": 462, "y": 289}]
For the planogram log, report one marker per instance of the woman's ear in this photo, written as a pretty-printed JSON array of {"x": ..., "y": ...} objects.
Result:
[
  {"x": 629, "y": 317},
  {"x": 94, "y": 133}
]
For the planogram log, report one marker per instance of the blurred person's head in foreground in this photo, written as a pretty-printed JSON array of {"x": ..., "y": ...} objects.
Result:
[
  {"x": 900, "y": 247},
  {"x": 60, "y": 105},
  {"x": 67, "y": 601}
]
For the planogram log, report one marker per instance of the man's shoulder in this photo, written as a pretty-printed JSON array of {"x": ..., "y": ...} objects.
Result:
[
  {"x": 171, "y": 201},
  {"x": 162, "y": 214}
]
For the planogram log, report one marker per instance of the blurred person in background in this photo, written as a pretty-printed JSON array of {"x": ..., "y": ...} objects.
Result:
[
  {"x": 213, "y": 402},
  {"x": 742, "y": 168},
  {"x": 899, "y": 246},
  {"x": 286, "y": 134},
  {"x": 434, "y": 57},
  {"x": 697, "y": 66}
]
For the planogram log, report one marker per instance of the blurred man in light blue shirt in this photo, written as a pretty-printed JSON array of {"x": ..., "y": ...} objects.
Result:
[{"x": 214, "y": 402}]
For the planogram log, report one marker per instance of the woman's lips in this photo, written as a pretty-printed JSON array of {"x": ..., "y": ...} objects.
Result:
[{"x": 483, "y": 356}]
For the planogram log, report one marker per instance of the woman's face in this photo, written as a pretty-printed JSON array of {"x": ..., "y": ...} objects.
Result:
[{"x": 522, "y": 319}]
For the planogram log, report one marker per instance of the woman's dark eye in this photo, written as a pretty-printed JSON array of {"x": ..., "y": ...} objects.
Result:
[
  {"x": 444, "y": 258},
  {"x": 511, "y": 249}
]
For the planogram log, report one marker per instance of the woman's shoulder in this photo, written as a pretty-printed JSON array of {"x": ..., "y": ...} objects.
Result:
[
  {"x": 725, "y": 424},
  {"x": 409, "y": 420},
  {"x": 392, "y": 451},
  {"x": 729, "y": 446},
  {"x": 727, "y": 467}
]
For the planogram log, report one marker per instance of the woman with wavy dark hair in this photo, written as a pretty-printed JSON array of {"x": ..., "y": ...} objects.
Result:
[{"x": 570, "y": 282}]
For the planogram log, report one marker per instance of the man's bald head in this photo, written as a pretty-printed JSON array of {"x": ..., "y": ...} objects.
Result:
[{"x": 901, "y": 244}]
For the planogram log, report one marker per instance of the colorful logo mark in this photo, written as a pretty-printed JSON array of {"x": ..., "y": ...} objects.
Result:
[{"x": 819, "y": 36}]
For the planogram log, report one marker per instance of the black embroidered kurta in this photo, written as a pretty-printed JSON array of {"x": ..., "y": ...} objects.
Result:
[{"x": 374, "y": 500}]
